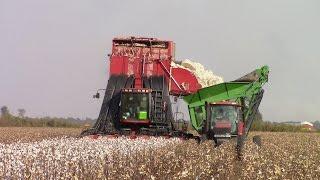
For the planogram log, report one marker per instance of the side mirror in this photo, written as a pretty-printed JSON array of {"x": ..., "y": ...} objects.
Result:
[{"x": 97, "y": 95}]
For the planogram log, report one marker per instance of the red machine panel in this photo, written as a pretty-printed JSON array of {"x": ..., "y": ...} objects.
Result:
[
  {"x": 140, "y": 56},
  {"x": 187, "y": 82},
  {"x": 150, "y": 57}
]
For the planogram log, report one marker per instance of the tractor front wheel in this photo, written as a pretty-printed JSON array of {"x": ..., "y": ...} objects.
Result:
[
  {"x": 239, "y": 146},
  {"x": 257, "y": 140}
]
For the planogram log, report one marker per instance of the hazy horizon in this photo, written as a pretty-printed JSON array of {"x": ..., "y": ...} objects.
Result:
[{"x": 53, "y": 54}]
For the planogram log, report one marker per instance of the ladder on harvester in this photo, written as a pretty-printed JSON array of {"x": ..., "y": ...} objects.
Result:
[{"x": 158, "y": 111}]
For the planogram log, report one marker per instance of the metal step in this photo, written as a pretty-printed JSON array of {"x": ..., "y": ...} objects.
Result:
[{"x": 158, "y": 111}]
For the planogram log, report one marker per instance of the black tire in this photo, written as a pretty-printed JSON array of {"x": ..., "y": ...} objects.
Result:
[
  {"x": 239, "y": 146},
  {"x": 202, "y": 138},
  {"x": 218, "y": 142},
  {"x": 257, "y": 140},
  {"x": 87, "y": 132}
]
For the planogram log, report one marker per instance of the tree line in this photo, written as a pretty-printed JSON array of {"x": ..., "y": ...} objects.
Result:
[
  {"x": 7, "y": 119},
  {"x": 260, "y": 125},
  {"x": 21, "y": 120}
]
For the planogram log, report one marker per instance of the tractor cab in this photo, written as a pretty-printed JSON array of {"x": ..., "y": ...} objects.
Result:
[
  {"x": 134, "y": 106},
  {"x": 224, "y": 119}
]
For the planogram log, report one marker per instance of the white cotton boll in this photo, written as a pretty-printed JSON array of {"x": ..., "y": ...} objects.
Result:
[{"x": 205, "y": 77}]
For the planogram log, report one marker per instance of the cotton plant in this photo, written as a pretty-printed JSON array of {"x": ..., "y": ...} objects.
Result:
[{"x": 61, "y": 157}]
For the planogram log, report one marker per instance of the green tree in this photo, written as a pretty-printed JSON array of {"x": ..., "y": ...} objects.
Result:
[
  {"x": 5, "y": 111},
  {"x": 316, "y": 124},
  {"x": 258, "y": 117},
  {"x": 21, "y": 112},
  {"x": 258, "y": 124}
]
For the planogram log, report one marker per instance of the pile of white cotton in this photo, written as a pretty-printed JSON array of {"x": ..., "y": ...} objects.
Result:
[{"x": 205, "y": 77}]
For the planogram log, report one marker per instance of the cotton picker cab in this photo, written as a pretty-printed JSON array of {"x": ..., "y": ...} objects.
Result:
[
  {"x": 227, "y": 110},
  {"x": 134, "y": 106}
]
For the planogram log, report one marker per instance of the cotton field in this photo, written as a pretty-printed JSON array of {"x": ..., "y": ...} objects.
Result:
[
  {"x": 69, "y": 157},
  {"x": 30, "y": 134},
  {"x": 281, "y": 156}
]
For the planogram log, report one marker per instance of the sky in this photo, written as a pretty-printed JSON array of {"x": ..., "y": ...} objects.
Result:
[{"x": 53, "y": 54}]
